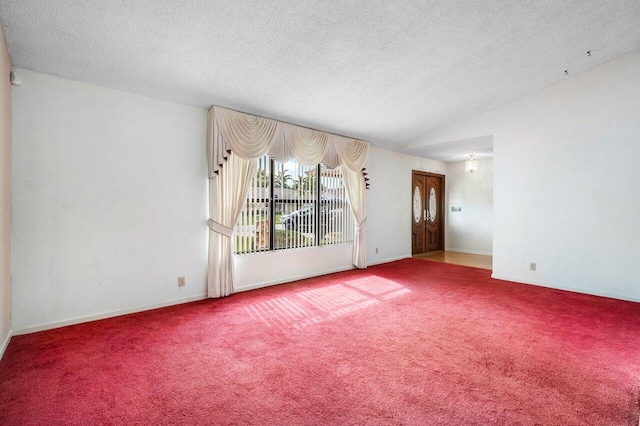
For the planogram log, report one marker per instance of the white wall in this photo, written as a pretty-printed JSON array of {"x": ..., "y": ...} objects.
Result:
[
  {"x": 276, "y": 267},
  {"x": 566, "y": 187},
  {"x": 5, "y": 195},
  {"x": 471, "y": 229},
  {"x": 109, "y": 199},
  {"x": 389, "y": 203},
  {"x": 110, "y": 202}
]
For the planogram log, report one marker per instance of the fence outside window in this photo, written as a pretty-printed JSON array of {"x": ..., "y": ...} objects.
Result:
[{"x": 290, "y": 206}]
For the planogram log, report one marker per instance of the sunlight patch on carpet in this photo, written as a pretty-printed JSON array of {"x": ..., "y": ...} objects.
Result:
[
  {"x": 332, "y": 297},
  {"x": 277, "y": 312},
  {"x": 309, "y": 307},
  {"x": 375, "y": 285}
]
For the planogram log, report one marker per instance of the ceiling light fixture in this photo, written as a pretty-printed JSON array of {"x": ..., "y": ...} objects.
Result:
[{"x": 471, "y": 165}]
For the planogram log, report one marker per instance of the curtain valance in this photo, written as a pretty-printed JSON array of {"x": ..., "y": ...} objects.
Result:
[
  {"x": 251, "y": 137},
  {"x": 234, "y": 141}
]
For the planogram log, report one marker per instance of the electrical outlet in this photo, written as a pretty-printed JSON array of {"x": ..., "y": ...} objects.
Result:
[
  {"x": 181, "y": 282},
  {"x": 376, "y": 250},
  {"x": 532, "y": 266}
]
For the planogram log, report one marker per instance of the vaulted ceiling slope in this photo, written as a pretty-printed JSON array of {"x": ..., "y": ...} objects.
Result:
[{"x": 385, "y": 71}]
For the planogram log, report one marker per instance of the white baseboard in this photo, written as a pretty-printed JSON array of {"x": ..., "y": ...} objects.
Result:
[
  {"x": 393, "y": 259},
  {"x": 315, "y": 274},
  {"x": 5, "y": 343},
  {"x": 566, "y": 288},
  {"x": 457, "y": 250},
  {"x": 104, "y": 315},
  {"x": 291, "y": 279}
]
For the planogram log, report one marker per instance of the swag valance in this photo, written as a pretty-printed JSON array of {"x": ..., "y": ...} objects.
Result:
[
  {"x": 251, "y": 137},
  {"x": 234, "y": 142}
]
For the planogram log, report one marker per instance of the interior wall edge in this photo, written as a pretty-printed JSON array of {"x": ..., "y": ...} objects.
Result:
[
  {"x": 3, "y": 348},
  {"x": 6, "y": 194}
]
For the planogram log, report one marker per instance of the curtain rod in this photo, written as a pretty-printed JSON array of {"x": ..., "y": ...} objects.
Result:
[{"x": 292, "y": 124}]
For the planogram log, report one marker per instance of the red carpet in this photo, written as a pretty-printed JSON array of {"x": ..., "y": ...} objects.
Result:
[{"x": 410, "y": 342}]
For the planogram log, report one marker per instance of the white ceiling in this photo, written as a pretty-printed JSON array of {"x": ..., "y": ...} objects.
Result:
[{"x": 386, "y": 71}]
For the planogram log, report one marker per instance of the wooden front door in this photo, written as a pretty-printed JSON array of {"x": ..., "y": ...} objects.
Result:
[
  {"x": 418, "y": 213},
  {"x": 427, "y": 212},
  {"x": 434, "y": 213}
]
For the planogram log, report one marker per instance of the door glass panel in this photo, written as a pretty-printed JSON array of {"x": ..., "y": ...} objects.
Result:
[
  {"x": 417, "y": 204},
  {"x": 432, "y": 205}
]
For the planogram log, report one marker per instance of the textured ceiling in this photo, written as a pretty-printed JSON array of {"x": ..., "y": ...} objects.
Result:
[{"x": 386, "y": 71}]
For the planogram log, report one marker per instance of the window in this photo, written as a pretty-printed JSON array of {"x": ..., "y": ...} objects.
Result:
[{"x": 289, "y": 206}]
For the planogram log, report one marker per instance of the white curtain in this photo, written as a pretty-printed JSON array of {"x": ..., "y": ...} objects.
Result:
[
  {"x": 353, "y": 155},
  {"x": 234, "y": 141},
  {"x": 309, "y": 147},
  {"x": 247, "y": 136},
  {"x": 226, "y": 198}
]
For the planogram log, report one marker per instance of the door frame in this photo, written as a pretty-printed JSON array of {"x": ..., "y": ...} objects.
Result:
[{"x": 441, "y": 207}]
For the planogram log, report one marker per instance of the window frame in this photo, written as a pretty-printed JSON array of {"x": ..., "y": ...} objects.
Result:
[{"x": 272, "y": 199}]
